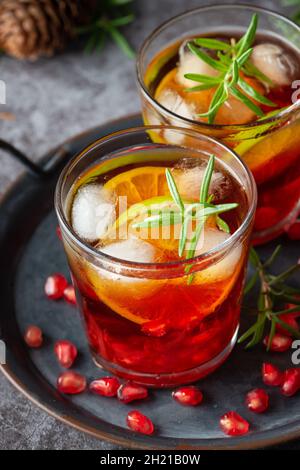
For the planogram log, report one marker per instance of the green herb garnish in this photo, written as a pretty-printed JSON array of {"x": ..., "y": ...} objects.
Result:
[
  {"x": 231, "y": 60},
  {"x": 109, "y": 17},
  {"x": 273, "y": 291},
  {"x": 184, "y": 213}
]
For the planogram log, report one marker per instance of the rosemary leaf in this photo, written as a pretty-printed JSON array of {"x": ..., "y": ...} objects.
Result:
[
  {"x": 199, "y": 88},
  {"x": 254, "y": 94},
  {"x": 251, "y": 283},
  {"x": 222, "y": 225},
  {"x": 207, "y": 179},
  {"x": 121, "y": 41},
  {"x": 244, "y": 99},
  {"x": 285, "y": 275},
  {"x": 213, "y": 44},
  {"x": 173, "y": 190},
  {"x": 202, "y": 78},
  {"x": 271, "y": 334},
  {"x": 206, "y": 58},
  {"x": 287, "y": 327},
  {"x": 246, "y": 41},
  {"x": 273, "y": 256}
]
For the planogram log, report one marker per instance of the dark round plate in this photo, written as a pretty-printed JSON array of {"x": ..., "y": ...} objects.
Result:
[{"x": 30, "y": 251}]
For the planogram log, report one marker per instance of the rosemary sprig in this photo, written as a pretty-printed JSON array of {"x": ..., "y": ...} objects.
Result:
[
  {"x": 272, "y": 291},
  {"x": 232, "y": 59},
  {"x": 184, "y": 213},
  {"x": 110, "y": 16}
]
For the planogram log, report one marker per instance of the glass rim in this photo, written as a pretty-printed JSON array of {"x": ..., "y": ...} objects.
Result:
[
  {"x": 281, "y": 114},
  {"x": 156, "y": 266}
]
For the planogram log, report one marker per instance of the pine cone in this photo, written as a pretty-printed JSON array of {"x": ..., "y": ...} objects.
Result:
[{"x": 33, "y": 28}]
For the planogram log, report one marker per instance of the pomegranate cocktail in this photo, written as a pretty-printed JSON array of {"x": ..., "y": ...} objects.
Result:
[
  {"x": 157, "y": 239},
  {"x": 231, "y": 72}
]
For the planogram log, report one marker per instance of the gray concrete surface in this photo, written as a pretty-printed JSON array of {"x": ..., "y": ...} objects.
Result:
[{"x": 52, "y": 100}]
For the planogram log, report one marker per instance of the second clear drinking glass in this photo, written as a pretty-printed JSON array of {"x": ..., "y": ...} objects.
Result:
[
  {"x": 270, "y": 145},
  {"x": 148, "y": 318}
]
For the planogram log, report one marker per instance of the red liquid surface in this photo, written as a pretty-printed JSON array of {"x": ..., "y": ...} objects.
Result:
[{"x": 186, "y": 342}]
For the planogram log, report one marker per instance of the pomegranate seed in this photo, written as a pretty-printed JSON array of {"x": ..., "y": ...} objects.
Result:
[
  {"x": 33, "y": 336},
  {"x": 257, "y": 400},
  {"x": 55, "y": 286},
  {"x": 130, "y": 392},
  {"x": 106, "y": 386},
  {"x": 139, "y": 422},
  {"x": 58, "y": 232},
  {"x": 289, "y": 319},
  {"x": 69, "y": 295},
  {"x": 271, "y": 375},
  {"x": 294, "y": 231},
  {"x": 71, "y": 383},
  {"x": 233, "y": 424},
  {"x": 154, "y": 328},
  {"x": 294, "y": 314},
  {"x": 66, "y": 352},
  {"x": 190, "y": 396},
  {"x": 291, "y": 382},
  {"x": 279, "y": 343}
]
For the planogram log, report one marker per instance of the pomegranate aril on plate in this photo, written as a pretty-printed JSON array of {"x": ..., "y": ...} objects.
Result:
[
  {"x": 257, "y": 400},
  {"x": 55, "y": 286},
  {"x": 139, "y": 422},
  {"x": 71, "y": 382},
  {"x": 105, "y": 386},
  {"x": 233, "y": 424},
  {"x": 295, "y": 314},
  {"x": 33, "y": 336},
  {"x": 271, "y": 375},
  {"x": 291, "y": 382},
  {"x": 290, "y": 320},
  {"x": 66, "y": 352},
  {"x": 190, "y": 396},
  {"x": 279, "y": 343},
  {"x": 58, "y": 232},
  {"x": 130, "y": 391},
  {"x": 69, "y": 295}
]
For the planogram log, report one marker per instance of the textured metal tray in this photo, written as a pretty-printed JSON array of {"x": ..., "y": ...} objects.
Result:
[{"x": 30, "y": 250}]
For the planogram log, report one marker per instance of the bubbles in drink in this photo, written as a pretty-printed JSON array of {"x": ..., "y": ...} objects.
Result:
[{"x": 93, "y": 211}]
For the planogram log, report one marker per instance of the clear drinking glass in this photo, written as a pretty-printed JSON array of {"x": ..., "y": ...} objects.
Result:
[
  {"x": 269, "y": 146},
  {"x": 143, "y": 320}
]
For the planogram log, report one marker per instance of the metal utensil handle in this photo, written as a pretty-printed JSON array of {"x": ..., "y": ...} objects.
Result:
[{"x": 57, "y": 159}]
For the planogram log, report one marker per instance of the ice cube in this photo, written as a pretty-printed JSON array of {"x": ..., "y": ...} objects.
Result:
[
  {"x": 93, "y": 211},
  {"x": 132, "y": 249},
  {"x": 172, "y": 101},
  {"x": 212, "y": 237},
  {"x": 189, "y": 63},
  {"x": 189, "y": 181},
  {"x": 274, "y": 62}
]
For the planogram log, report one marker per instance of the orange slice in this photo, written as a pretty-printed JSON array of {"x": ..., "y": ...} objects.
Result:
[
  {"x": 270, "y": 156},
  {"x": 139, "y": 184}
]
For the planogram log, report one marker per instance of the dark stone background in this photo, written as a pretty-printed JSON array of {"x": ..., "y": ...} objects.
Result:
[{"x": 54, "y": 99}]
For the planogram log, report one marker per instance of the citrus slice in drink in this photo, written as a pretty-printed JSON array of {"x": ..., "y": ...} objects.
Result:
[
  {"x": 139, "y": 184},
  {"x": 270, "y": 156}
]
